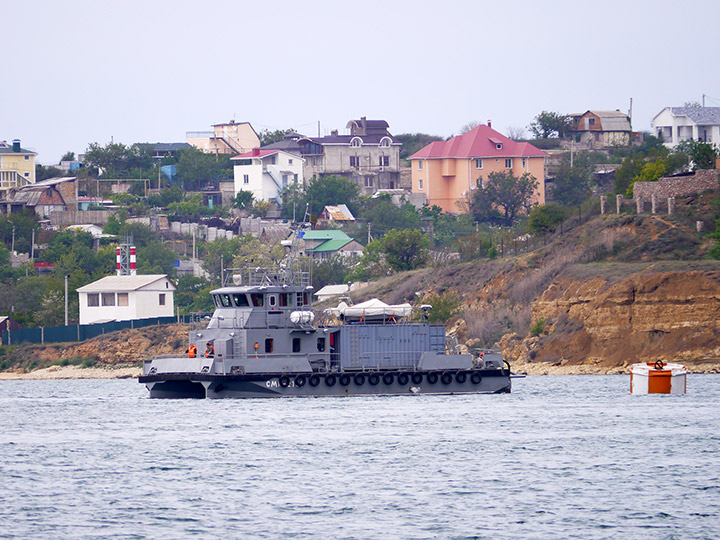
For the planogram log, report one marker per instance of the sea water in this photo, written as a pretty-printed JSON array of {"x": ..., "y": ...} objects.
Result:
[{"x": 560, "y": 457}]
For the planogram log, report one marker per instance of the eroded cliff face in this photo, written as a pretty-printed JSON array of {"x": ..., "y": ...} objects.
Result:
[{"x": 604, "y": 327}]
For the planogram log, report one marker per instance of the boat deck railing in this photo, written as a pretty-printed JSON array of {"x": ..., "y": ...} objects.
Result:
[{"x": 275, "y": 276}]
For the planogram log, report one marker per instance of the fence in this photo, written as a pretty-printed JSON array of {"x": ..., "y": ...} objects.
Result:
[{"x": 79, "y": 332}]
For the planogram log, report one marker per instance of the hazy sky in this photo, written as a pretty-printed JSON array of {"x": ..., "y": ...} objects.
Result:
[{"x": 77, "y": 72}]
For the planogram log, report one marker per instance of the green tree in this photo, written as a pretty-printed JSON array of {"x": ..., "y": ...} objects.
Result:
[
  {"x": 384, "y": 215},
  {"x": 243, "y": 199},
  {"x": 193, "y": 294},
  {"x": 545, "y": 219},
  {"x": 372, "y": 264},
  {"x": 572, "y": 183},
  {"x": 405, "y": 249},
  {"x": 503, "y": 197},
  {"x": 269, "y": 137},
  {"x": 702, "y": 154},
  {"x": 331, "y": 271},
  {"x": 549, "y": 124},
  {"x": 444, "y": 307},
  {"x": 195, "y": 168},
  {"x": 478, "y": 245},
  {"x": 43, "y": 173},
  {"x": 331, "y": 190},
  {"x": 68, "y": 156}
]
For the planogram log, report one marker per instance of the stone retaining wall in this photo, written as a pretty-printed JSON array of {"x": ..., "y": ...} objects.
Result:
[{"x": 667, "y": 187}]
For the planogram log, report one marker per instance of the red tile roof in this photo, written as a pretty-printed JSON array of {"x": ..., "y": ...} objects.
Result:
[
  {"x": 256, "y": 153},
  {"x": 480, "y": 142}
]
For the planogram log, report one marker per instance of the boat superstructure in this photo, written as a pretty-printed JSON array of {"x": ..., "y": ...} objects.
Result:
[{"x": 263, "y": 340}]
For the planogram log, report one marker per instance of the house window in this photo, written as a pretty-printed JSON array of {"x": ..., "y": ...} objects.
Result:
[
  {"x": 591, "y": 121},
  {"x": 108, "y": 299},
  {"x": 420, "y": 184},
  {"x": 122, "y": 299},
  {"x": 27, "y": 158},
  {"x": 385, "y": 142},
  {"x": 161, "y": 299},
  {"x": 93, "y": 300},
  {"x": 369, "y": 181},
  {"x": 524, "y": 162},
  {"x": 284, "y": 180},
  {"x": 321, "y": 344},
  {"x": 289, "y": 161},
  {"x": 508, "y": 163},
  {"x": 27, "y": 174},
  {"x": 268, "y": 345},
  {"x": 246, "y": 178},
  {"x": 355, "y": 161},
  {"x": 478, "y": 163},
  {"x": 419, "y": 165},
  {"x": 272, "y": 160},
  {"x": 384, "y": 161},
  {"x": 498, "y": 146},
  {"x": 295, "y": 178},
  {"x": 296, "y": 344},
  {"x": 356, "y": 142}
]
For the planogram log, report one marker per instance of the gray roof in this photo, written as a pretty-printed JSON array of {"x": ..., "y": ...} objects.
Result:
[
  {"x": 124, "y": 283},
  {"x": 6, "y": 148},
  {"x": 699, "y": 115}
]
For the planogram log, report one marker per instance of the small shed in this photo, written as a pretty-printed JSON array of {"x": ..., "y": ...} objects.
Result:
[{"x": 127, "y": 298}]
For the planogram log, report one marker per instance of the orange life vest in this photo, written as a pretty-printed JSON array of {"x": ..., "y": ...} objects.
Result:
[{"x": 192, "y": 351}]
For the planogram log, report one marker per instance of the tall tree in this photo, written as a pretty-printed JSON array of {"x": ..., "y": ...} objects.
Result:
[
  {"x": 405, "y": 249},
  {"x": 269, "y": 137},
  {"x": 549, "y": 124},
  {"x": 502, "y": 197},
  {"x": 332, "y": 190}
]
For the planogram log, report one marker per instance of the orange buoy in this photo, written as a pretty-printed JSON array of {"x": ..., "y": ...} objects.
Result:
[{"x": 658, "y": 378}]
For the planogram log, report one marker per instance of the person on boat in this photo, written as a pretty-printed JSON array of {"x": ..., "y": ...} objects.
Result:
[
  {"x": 191, "y": 351},
  {"x": 209, "y": 350}
]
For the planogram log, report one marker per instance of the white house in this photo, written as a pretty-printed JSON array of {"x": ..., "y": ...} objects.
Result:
[
  {"x": 266, "y": 173},
  {"x": 676, "y": 124},
  {"x": 126, "y": 298}
]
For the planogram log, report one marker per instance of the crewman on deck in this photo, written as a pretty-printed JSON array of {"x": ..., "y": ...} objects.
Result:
[
  {"x": 191, "y": 351},
  {"x": 209, "y": 350}
]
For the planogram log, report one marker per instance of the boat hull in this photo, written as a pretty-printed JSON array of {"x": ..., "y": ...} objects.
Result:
[{"x": 269, "y": 385}]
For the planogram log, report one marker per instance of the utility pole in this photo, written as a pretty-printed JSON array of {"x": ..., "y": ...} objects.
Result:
[
  {"x": 222, "y": 270},
  {"x": 12, "y": 250},
  {"x": 703, "y": 100},
  {"x": 66, "y": 300}
]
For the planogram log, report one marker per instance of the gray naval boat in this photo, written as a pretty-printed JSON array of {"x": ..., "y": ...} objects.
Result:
[{"x": 263, "y": 341}]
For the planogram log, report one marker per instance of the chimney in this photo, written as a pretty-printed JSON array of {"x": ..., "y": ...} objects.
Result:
[
  {"x": 334, "y": 133},
  {"x": 255, "y": 151},
  {"x": 363, "y": 122},
  {"x": 489, "y": 123},
  {"x": 16, "y": 145}
]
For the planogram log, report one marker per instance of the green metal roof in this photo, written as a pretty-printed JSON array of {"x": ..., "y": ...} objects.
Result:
[
  {"x": 331, "y": 245},
  {"x": 329, "y": 234}
]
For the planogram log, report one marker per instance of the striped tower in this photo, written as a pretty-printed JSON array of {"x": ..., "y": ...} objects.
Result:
[
  {"x": 133, "y": 268},
  {"x": 119, "y": 261}
]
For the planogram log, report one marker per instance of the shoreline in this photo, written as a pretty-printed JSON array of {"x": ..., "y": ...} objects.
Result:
[{"x": 529, "y": 369}]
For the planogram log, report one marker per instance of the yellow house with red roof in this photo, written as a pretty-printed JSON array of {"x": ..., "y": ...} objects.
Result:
[{"x": 446, "y": 172}]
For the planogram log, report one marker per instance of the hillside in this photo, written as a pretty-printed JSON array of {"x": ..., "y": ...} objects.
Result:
[{"x": 604, "y": 293}]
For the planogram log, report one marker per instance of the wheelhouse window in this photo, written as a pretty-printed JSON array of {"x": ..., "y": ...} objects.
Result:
[
  {"x": 321, "y": 344},
  {"x": 285, "y": 299},
  {"x": 93, "y": 299},
  {"x": 296, "y": 344},
  {"x": 299, "y": 297},
  {"x": 224, "y": 300},
  {"x": 272, "y": 300},
  {"x": 268, "y": 345},
  {"x": 108, "y": 299},
  {"x": 122, "y": 299},
  {"x": 257, "y": 299},
  {"x": 240, "y": 300}
]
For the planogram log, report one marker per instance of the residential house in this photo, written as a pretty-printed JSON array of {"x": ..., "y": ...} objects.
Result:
[
  {"x": 676, "y": 124},
  {"x": 126, "y": 298},
  {"x": 447, "y": 171},
  {"x": 266, "y": 173},
  {"x": 162, "y": 150},
  {"x": 17, "y": 165},
  {"x": 231, "y": 138},
  {"x": 602, "y": 129},
  {"x": 44, "y": 197},
  {"x": 339, "y": 214},
  {"x": 323, "y": 244},
  {"x": 368, "y": 154}
]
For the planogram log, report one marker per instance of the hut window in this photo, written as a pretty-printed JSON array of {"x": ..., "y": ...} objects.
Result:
[
  {"x": 93, "y": 300},
  {"x": 162, "y": 299},
  {"x": 122, "y": 299},
  {"x": 108, "y": 299}
]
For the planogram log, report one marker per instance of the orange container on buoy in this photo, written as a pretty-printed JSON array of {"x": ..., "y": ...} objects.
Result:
[{"x": 658, "y": 378}]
